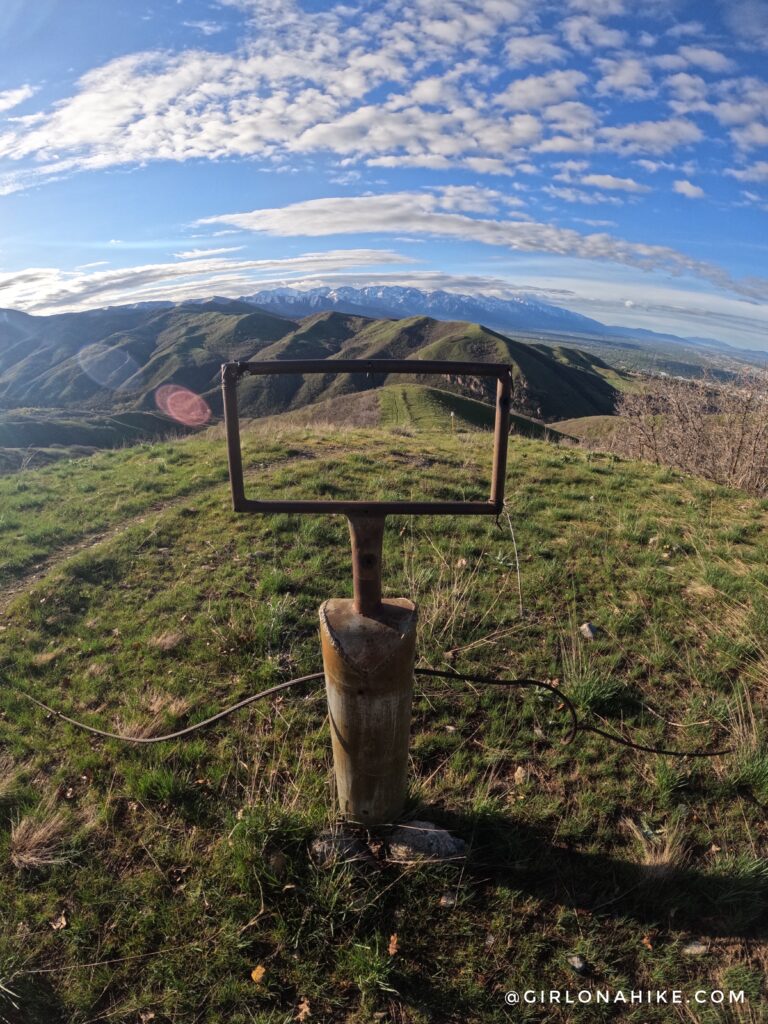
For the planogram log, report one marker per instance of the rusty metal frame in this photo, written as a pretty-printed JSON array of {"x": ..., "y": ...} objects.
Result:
[{"x": 232, "y": 372}]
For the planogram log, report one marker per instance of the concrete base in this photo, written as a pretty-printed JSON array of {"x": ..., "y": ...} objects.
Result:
[{"x": 368, "y": 666}]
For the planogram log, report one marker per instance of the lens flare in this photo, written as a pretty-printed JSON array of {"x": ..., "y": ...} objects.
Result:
[
  {"x": 182, "y": 405},
  {"x": 110, "y": 367}
]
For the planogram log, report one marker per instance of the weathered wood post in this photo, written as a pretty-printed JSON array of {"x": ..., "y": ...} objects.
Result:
[{"x": 369, "y": 650}]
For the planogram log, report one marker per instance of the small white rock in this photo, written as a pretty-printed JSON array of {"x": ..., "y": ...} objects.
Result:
[
  {"x": 695, "y": 949},
  {"x": 422, "y": 840},
  {"x": 578, "y": 963},
  {"x": 587, "y": 630}
]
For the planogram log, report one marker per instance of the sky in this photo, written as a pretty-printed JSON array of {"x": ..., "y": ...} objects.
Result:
[{"x": 606, "y": 156}]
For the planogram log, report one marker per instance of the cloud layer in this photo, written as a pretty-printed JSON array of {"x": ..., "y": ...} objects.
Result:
[{"x": 431, "y": 213}]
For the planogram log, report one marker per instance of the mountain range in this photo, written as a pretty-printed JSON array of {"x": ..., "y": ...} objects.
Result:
[
  {"x": 517, "y": 314},
  {"x": 112, "y": 361}
]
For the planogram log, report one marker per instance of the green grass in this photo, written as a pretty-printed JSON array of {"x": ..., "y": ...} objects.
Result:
[
  {"x": 597, "y": 430},
  {"x": 185, "y": 866}
]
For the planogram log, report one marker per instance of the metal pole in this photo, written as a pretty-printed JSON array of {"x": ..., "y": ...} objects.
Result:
[
  {"x": 501, "y": 439},
  {"x": 229, "y": 378},
  {"x": 367, "y": 536}
]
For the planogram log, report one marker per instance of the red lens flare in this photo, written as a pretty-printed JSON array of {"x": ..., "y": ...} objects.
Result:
[{"x": 182, "y": 405}]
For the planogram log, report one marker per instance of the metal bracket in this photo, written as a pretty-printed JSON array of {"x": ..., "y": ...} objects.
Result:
[{"x": 232, "y": 372}]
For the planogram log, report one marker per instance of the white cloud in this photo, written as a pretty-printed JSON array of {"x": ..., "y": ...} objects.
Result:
[
  {"x": 196, "y": 254},
  {"x": 651, "y": 136},
  {"x": 471, "y": 198},
  {"x": 609, "y": 181},
  {"x": 420, "y": 213},
  {"x": 48, "y": 290},
  {"x": 652, "y": 166},
  {"x": 11, "y": 98},
  {"x": 685, "y": 28},
  {"x": 575, "y": 195},
  {"x": 591, "y": 222},
  {"x": 584, "y": 33},
  {"x": 750, "y": 136},
  {"x": 600, "y": 8},
  {"x": 628, "y": 76},
  {"x": 756, "y": 172},
  {"x": 692, "y": 89},
  {"x": 669, "y": 61},
  {"x": 568, "y": 168},
  {"x": 571, "y": 117},
  {"x": 539, "y": 91},
  {"x": 535, "y": 49},
  {"x": 710, "y": 60},
  {"x": 687, "y": 189},
  {"x": 208, "y": 28}
]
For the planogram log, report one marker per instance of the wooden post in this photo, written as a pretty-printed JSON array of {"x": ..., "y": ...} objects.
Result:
[{"x": 369, "y": 649}]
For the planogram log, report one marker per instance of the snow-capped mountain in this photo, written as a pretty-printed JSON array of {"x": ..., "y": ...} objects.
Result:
[{"x": 523, "y": 313}]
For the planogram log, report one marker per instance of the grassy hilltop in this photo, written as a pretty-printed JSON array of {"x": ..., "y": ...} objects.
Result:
[{"x": 134, "y": 599}]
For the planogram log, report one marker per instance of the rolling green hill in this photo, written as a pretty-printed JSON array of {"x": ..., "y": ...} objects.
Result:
[
  {"x": 546, "y": 382},
  {"x": 120, "y": 359},
  {"x": 90, "y": 374},
  {"x": 175, "y": 882},
  {"x": 412, "y": 406}
]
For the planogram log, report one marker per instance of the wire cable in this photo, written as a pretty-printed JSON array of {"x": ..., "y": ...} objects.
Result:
[
  {"x": 181, "y": 732},
  {"x": 576, "y": 725}
]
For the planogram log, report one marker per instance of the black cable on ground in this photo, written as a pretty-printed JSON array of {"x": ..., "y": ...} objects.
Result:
[
  {"x": 182, "y": 732},
  {"x": 576, "y": 725}
]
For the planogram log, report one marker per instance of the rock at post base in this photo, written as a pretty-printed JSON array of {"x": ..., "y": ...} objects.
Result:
[
  {"x": 422, "y": 840},
  {"x": 332, "y": 848}
]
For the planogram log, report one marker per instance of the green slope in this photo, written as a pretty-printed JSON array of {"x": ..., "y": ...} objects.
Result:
[
  {"x": 593, "y": 429},
  {"x": 44, "y": 427},
  {"x": 118, "y": 360},
  {"x": 415, "y": 406},
  {"x": 181, "y": 868},
  {"x": 547, "y": 384}
]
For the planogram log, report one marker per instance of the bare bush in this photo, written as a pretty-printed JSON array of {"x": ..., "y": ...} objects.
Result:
[{"x": 705, "y": 427}]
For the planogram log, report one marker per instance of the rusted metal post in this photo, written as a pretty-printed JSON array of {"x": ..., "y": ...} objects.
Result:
[
  {"x": 367, "y": 536},
  {"x": 501, "y": 439},
  {"x": 229, "y": 377}
]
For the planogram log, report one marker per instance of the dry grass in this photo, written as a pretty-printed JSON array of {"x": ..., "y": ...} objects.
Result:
[
  {"x": 662, "y": 853},
  {"x": 167, "y": 641},
  {"x": 161, "y": 707},
  {"x": 743, "y": 724},
  {"x": 9, "y": 776},
  {"x": 37, "y": 838}
]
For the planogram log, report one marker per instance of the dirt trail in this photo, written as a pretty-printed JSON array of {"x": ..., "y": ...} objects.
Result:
[{"x": 10, "y": 590}]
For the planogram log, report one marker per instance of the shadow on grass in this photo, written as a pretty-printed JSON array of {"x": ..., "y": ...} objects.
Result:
[
  {"x": 730, "y": 900},
  {"x": 33, "y": 1002}
]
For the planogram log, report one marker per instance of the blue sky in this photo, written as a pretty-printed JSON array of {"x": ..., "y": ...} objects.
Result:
[{"x": 613, "y": 162}]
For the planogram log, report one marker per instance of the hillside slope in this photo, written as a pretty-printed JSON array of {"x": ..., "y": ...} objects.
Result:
[
  {"x": 115, "y": 359},
  {"x": 547, "y": 385},
  {"x": 178, "y": 879},
  {"x": 119, "y": 357},
  {"x": 412, "y": 406}
]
